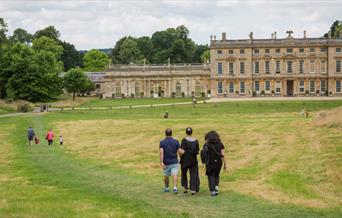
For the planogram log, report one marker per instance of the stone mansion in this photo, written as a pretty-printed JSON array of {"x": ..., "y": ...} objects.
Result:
[{"x": 245, "y": 67}]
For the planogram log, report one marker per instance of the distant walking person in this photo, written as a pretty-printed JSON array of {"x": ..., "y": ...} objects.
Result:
[
  {"x": 49, "y": 137},
  {"x": 214, "y": 150},
  {"x": 30, "y": 135},
  {"x": 61, "y": 140},
  {"x": 168, "y": 149},
  {"x": 189, "y": 162}
]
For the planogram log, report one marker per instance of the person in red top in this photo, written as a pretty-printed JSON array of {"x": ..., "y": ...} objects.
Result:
[{"x": 49, "y": 137}]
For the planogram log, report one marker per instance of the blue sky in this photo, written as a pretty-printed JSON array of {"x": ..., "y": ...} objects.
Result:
[{"x": 99, "y": 24}]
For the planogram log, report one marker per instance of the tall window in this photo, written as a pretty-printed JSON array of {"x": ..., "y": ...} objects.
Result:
[
  {"x": 301, "y": 86},
  {"x": 231, "y": 87},
  {"x": 256, "y": 67},
  {"x": 301, "y": 50},
  {"x": 301, "y": 67},
  {"x": 338, "y": 66},
  {"x": 277, "y": 67},
  {"x": 338, "y": 85},
  {"x": 323, "y": 86},
  {"x": 242, "y": 67},
  {"x": 312, "y": 66},
  {"x": 256, "y": 86},
  {"x": 219, "y": 88},
  {"x": 219, "y": 68},
  {"x": 242, "y": 51},
  {"x": 219, "y": 51},
  {"x": 178, "y": 89},
  {"x": 231, "y": 68},
  {"x": 312, "y": 50},
  {"x": 323, "y": 66},
  {"x": 267, "y": 86},
  {"x": 277, "y": 50},
  {"x": 230, "y": 51},
  {"x": 289, "y": 66},
  {"x": 267, "y": 51},
  {"x": 289, "y": 50},
  {"x": 312, "y": 86},
  {"x": 278, "y": 87},
  {"x": 338, "y": 50},
  {"x": 323, "y": 50},
  {"x": 256, "y": 51},
  {"x": 242, "y": 87},
  {"x": 267, "y": 67}
]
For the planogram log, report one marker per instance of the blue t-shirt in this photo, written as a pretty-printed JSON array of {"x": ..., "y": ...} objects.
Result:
[{"x": 170, "y": 147}]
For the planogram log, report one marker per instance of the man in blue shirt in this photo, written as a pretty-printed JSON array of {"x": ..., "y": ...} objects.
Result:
[{"x": 169, "y": 147}]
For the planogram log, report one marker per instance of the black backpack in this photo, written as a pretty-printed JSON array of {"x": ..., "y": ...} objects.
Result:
[{"x": 204, "y": 154}]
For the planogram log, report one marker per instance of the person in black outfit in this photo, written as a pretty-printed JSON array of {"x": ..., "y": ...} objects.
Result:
[
  {"x": 215, "y": 159},
  {"x": 189, "y": 162}
]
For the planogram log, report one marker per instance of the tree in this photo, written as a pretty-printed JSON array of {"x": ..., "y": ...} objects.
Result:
[
  {"x": 145, "y": 47},
  {"x": 87, "y": 87},
  {"x": 200, "y": 49},
  {"x": 50, "y": 32},
  {"x": 3, "y": 31},
  {"x": 44, "y": 43},
  {"x": 335, "y": 28},
  {"x": 95, "y": 60},
  {"x": 70, "y": 56},
  {"x": 75, "y": 81},
  {"x": 205, "y": 57},
  {"x": 21, "y": 35},
  {"x": 182, "y": 32},
  {"x": 34, "y": 76}
]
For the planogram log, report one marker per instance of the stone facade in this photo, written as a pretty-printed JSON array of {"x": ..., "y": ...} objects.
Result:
[
  {"x": 283, "y": 67},
  {"x": 245, "y": 67}
]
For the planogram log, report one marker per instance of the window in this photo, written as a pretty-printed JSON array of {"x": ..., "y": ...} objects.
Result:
[
  {"x": 242, "y": 67},
  {"x": 277, "y": 50},
  {"x": 312, "y": 49},
  {"x": 338, "y": 66},
  {"x": 301, "y": 50},
  {"x": 323, "y": 86},
  {"x": 267, "y": 86},
  {"x": 219, "y": 88},
  {"x": 256, "y": 86},
  {"x": 289, "y": 66},
  {"x": 312, "y": 86},
  {"x": 312, "y": 66},
  {"x": 277, "y": 67},
  {"x": 242, "y": 88},
  {"x": 301, "y": 86},
  {"x": 219, "y": 51},
  {"x": 242, "y": 51},
  {"x": 256, "y": 67},
  {"x": 231, "y": 52},
  {"x": 231, "y": 87},
  {"x": 289, "y": 50},
  {"x": 323, "y": 50},
  {"x": 301, "y": 67},
  {"x": 267, "y": 67},
  {"x": 322, "y": 66},
  {"x": 278, "y": 87},
  {"x": 267, "y": 51},
  {"x": 338, "y": 50},
  {"x": 338, "y": 85},
  {"x": 219, "y": 68},
  {"x": 97, "y": 86},
  {"x": 231, "y": 68},
  {"x": 256, "y": 51}
]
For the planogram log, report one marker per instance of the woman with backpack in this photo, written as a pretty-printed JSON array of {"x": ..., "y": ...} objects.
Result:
[
  {"x": 189, "y": 162},
  {"x": 212, "y": 155}
]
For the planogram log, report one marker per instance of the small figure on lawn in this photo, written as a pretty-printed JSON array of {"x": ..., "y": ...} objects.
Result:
[
  {"x": 61, "y": 140},
  {"x": 166, "y": 115}
]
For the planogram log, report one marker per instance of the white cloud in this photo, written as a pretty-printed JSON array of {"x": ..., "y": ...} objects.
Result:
[{"x": 99, "y": 24}]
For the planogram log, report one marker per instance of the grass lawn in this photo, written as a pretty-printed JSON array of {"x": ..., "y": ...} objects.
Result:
[{"x": 279, "y": 163}]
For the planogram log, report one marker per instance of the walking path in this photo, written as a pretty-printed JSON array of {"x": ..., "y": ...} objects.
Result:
[{"x": 212, "y": 100}]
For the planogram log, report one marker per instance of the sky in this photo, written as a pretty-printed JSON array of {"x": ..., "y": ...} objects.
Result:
[{"x": 100, "y": 23}]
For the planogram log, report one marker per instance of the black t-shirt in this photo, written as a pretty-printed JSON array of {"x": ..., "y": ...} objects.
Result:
[
  {"x": 214, "y": 151},
  {"x": 191, "y": 150}
]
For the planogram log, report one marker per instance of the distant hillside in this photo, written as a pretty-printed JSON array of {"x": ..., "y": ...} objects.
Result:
[{"x": 105, "y": 50}]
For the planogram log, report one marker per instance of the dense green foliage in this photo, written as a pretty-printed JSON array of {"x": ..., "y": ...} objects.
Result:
[
  {"x": 335, "y": 29},
  {"x": 21, "y": 35},
  {"x": 77, "y": 82},
  {"x": 171, "y": 45},
  {"x": 95, "y": 60}
]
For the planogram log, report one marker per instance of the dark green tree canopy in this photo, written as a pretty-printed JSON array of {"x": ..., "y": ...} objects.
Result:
[
  {"x": 47, "y": 44},
  {"x": 3, "y": 31},
  {"x": 21, "y": 35},
  {"x": 335, "y": 29},
  {"x": 50, "y": 32},
  {"x": 71, "y": 57},
  {"x": 95, "y": 60},
  {"x": 76, "y": 81}
]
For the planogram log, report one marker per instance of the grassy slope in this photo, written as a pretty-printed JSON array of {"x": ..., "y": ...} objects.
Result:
[
  {"x": 7, "y": 108},
  {"x": 44, "y": 181}
]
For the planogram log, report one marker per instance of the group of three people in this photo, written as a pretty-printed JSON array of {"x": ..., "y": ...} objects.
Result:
[
  {"x": 31, "y": 135},
  {"x": 212, "y": 155}
]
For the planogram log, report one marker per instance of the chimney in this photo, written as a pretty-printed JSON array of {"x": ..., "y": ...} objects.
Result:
[
  {"x": 214, "y": 37},
  {"x": 329, "y": 35},
  {"x": 251, "y": 35},
  {"x": 272, "y": 36},
  {"x": 224, "y": 36},
  {"x": 211, "y": 37},
  {"x": 304, "y": 34},
  {"x": 275, "y": 35}
]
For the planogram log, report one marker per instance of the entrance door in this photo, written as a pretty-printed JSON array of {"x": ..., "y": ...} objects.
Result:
[{"x": 289, "y": 87}]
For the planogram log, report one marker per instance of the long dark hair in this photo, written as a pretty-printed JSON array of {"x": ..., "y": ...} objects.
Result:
[{"x": 212, "y": 138}]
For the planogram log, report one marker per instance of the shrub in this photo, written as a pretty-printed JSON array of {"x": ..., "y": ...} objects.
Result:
[
  {"x": 122, "y": 95},
  {"x": 183, "y": 94},
  {"x": 132, "y": 95},
  {"x": 25, "y": 108},
  {"x": 253, "y": 93},
  {"x": 272, "y": 92},
  {"x": 262, "y": 92},
  {"x": 173, "y": 94},
  {"x": 202, "y": 94}
]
